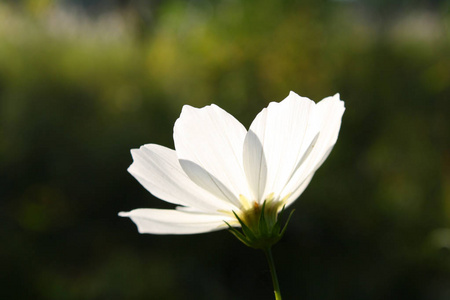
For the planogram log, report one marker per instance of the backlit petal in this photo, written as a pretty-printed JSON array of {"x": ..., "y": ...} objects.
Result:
[
  {"x": 299, "y": 190},
  {"x": 285, "y": 131},
  {"x": 255, "y": 165},
  {"x": 209, "y": 144},
  {"x": 329, "y": 115},
  {"x": 169, "y": 221},
  {"x": 158, "y": 170}
]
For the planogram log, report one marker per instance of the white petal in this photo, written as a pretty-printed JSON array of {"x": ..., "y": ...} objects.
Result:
[
  {"x": 286, "y": 131},
  {"x": 169, "y": 221},
  {"x": 158, "y": 170},
  {"x": 209, "y": 144},
  {"x": 255, "y": 165},
  {"x": 330, "y": 111},
  {"x": 328, "y": 115},
  {"x": 299, "y": 190}
]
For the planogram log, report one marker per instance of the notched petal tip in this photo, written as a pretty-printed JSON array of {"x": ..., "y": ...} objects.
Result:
[
  {"x": 130, "y": 169},
  {"x": 333, "y": 101},
  {"x": 337, "y": 97},
  {"x": 293, "y": 97},
  {"x": 135, "y": 151},
  {"x": 294, "y": 94},
  {"x": 187, "y": 107}
]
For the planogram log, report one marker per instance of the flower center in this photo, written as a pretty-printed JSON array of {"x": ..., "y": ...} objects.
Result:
[
  {"x": 259, "y": 222},
  {"x": 251, "y": 212}
]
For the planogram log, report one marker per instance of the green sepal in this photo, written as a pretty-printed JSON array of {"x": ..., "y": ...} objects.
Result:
[
  {"x": 247, "y": 231},
  {"x": 276, "y": 228},
  {"x": 238, "y": 234},
  {"x": 261, "y": 227},
  {"x": 285, "y": 224}
]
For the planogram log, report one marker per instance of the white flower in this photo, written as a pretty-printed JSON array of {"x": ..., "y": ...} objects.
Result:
[{"x": 219, "y": 167}]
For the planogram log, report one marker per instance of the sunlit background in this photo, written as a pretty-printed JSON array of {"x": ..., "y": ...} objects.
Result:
[{"x": 83, "y": 81}]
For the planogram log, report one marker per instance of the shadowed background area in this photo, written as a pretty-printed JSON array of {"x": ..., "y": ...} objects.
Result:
[{"x": 82, "y": 82}]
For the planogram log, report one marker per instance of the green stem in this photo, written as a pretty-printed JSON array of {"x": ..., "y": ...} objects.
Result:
[{"x": 273, "y": 272}]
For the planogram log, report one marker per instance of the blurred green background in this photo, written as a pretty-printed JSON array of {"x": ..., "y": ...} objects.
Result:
[{"x": 82, "y": 82}]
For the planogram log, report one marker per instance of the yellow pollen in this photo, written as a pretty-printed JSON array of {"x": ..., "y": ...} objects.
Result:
[{"x": 251, "y": 210}]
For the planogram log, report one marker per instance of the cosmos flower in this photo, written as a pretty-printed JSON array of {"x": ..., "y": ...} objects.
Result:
[{"x": 221, "y": 176}]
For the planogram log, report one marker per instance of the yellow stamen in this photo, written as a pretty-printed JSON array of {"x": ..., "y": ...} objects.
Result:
[{"x": 246, "y": 205}]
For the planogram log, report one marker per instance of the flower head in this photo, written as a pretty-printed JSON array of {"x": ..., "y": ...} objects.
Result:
[{"x": 222, "y": 175}]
